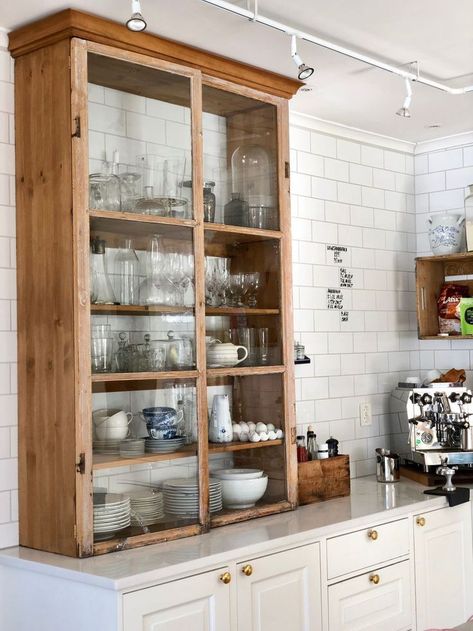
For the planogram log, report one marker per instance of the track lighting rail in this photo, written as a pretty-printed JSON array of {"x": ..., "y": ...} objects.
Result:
[{"x": 255, "y": 16}]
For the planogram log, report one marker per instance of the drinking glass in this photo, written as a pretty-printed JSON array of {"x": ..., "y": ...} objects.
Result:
[
  {"x": 247, "y": 338},
  {"x": 127, "y": 271},
  {"x": 130, "y": 187},
  {"x": 152, "y": 290},
  {"x": 263, "y": 345},
  {"x": 252, "y": 287},
  {"x": 173, "y": 271},
  {"x": 101, "y": 347}
]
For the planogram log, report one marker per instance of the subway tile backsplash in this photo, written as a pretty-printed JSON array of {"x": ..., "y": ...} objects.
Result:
[{"x": 359, "y": 218}]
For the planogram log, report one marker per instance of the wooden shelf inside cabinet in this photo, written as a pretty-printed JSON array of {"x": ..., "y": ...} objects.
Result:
[
  {"x": 215, "y": 448},
  {"x": 223, "y": 233},
  {"x": 109, "y": 223},
  {"x": 229, "y": 516},
  {"x": 139, "y": 310},
  {"x": 244, "y": 371},
  {"x": 431, "y": 273},
  {"x": 250, "y": 311},
  {"x": 170, "y": 375},
  {"x": 134, "y": 537},
  {"x": 103, "y": 461}
]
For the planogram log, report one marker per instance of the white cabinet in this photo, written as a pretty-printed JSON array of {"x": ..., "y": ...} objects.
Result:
[
  {"x": 197, "y": 603},
  {"x": 375, "y": 601},
  {"x": 443, "y": 567},
  {"x": 280, "y": 592}
]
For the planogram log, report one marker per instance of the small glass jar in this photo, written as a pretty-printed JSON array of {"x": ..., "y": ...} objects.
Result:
[
  {"x": 302, "y": 455},
  {"x": 323, "y": 451},
  {"x": 209, "y": 202}
]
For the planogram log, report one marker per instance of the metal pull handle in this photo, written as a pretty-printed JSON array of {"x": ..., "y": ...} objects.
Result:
[
  {"x": 420, "y": 521},
  {"x": 374, "y": 578},
  {"x": 373, "y": 534},
  {"x": 247, "y": 570},
  {"x": 226, "y": 577}
]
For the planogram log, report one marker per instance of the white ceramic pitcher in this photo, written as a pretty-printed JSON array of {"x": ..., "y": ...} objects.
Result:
[
  {"x": 220, "y": 425},
  {"x": 445, "y": 233}
]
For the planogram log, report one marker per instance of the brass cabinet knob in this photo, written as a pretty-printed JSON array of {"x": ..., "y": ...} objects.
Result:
[
  {"x": 226, "y": 577},
  {"x": 247, "y": 570},
  {"x": 373, "y": 534},
  {"x": 374, "y": 578},
  {"x": 420, "y": 521}
]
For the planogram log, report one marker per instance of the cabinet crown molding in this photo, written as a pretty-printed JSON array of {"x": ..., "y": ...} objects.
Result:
[{"x": 71, "y": 23}]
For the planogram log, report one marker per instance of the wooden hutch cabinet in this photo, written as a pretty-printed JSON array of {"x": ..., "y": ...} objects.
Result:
[{"x": 147, "y": 165}]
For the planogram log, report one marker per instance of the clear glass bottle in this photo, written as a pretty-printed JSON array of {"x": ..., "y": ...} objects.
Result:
[
  {"x": 312, "y": 447},
  {"x": 127, "y": 274},
  {"x": 469, "y": 219},
  {"x": 235, "y": 212},
  {"x": 209, "y": 202},
  {"x": 102, "y": 290}
]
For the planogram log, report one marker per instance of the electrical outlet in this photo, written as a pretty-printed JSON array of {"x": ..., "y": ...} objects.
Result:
[{"x": 365, "y": 414}]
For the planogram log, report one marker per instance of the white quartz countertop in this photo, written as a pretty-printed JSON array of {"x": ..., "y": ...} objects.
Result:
[{"x": 370, "y": 503}]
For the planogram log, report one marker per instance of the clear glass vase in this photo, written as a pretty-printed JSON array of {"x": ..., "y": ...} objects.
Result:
[{"x": 101, "y": 288}]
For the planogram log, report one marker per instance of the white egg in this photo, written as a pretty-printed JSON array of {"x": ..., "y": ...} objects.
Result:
[
  {"x": 243, "y": 437},
  {"x": 272, "y": 435},
  {"x": 270, "y": 427},
  {"x": 252, "y": 426},
  {"x": 261, "y": 427},
  {"x": 254, "y": 437},
  {"x": 263, "y": 436},
  {"x": 236, "y": 428},
  {"x": 279, "y": 433},
  {"x": 244, "y": 427}
]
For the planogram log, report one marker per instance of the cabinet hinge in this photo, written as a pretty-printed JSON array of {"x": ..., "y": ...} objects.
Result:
[
  {"x": 80, "y": 464},
  {"x": 76, "y": 134},
  {"x": 287, "y": 170}
]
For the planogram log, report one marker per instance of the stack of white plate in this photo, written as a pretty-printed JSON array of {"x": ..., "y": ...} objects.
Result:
[
  {"x": 132, "y": 447},
  {"x": 111, "y": 514},
  {"x": 165, "y": 445},
  {"x": 147, "y": 507},
  {"x": 108, "y": 447},
  {"x": 181, "y": 497}
]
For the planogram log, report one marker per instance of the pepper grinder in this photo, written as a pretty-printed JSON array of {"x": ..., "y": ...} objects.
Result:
[{"x": 448, "y": 472}]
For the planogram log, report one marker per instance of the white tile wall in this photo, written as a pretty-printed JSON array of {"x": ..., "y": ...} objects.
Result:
[
  {"x": 8, "y": 419},
  {"x": 364, "y": 200}
]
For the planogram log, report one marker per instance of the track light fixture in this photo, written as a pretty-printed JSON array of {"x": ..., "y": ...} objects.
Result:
[
  {"x": 404, "y": 110},
  {"x": 304, "y": 71},
  {"x": 136, "y": 22}
]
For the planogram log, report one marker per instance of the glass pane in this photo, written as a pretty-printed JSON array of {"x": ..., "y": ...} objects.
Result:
[
  {"x": 140, "y": 157},
  {"x": 249, "y": 411},
  {"x": 142, "y": 297},
  {"x": 240, "y": 160},
  {"x": 144, "y": 446}
]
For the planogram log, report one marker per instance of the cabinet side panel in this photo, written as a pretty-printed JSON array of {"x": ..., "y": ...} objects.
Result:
[{"x": 45, "y": 300}]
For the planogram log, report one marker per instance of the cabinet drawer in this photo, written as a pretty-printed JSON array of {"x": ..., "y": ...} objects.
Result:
[
  {"x": 376, "y": 600},
  {"x": 364, "y": 548}
]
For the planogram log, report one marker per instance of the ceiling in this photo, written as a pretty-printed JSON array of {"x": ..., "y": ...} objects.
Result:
[{"x": 434, "y": 32}]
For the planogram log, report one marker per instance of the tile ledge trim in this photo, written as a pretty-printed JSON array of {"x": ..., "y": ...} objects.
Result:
[{"x": 352, "y": 133}]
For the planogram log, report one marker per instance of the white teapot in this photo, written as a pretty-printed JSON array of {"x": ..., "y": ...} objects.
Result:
[{"x": 224, "y": 355}]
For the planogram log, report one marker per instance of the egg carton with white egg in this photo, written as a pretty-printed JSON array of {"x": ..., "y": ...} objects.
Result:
[{"x": 255, "y": 432}]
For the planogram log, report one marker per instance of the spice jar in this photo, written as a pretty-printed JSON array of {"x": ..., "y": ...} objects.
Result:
[
  {"x": 302, "y": 455},
  {"x": 323, "y": 451},
  {"x": 332, "y": 447}
]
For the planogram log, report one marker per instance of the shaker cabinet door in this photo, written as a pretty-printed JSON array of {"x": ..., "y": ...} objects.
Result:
[
  {"x": 280, "y": 592},
  {"x": 197, "y": 603},
  {"x": 444, "y": 567},
  {"x": 375, "y": 601}
]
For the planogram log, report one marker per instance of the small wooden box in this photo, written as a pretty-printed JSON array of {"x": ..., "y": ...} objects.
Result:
[{"x": 324, "y": 479}]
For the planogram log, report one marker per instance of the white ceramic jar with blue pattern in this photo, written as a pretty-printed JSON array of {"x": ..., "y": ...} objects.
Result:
[{"x": 446, "y": 233}]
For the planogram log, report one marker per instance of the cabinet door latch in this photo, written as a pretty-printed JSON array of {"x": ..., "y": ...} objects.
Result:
[
  {"x": 80, "y": 464},
  {"x": 76, "y": 134}
]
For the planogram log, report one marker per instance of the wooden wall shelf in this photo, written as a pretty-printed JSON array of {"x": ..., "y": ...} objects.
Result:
[{"x": 431, "y": 273}]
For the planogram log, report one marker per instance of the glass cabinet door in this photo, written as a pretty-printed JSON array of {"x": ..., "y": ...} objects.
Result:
[{"x": 240, "y": 160}]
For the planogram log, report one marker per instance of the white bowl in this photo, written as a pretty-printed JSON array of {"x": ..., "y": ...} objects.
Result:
[
  {"x": 111, "y": 433},
  {"x": 238, "y": 474},
  {"x": 243, "y": 493}
]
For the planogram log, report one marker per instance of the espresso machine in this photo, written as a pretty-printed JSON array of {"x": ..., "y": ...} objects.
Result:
[{"x": 440, "y": 426}]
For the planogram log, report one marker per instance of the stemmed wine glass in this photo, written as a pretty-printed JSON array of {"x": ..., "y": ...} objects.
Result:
[{"x": 252, "y": 286}]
